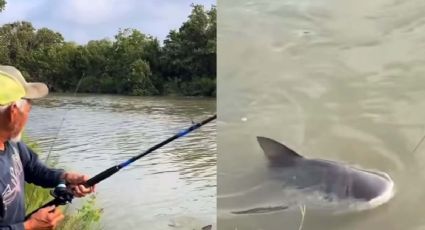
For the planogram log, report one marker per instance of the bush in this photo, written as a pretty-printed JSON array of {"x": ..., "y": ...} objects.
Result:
[{"x": 202, "y": 86}]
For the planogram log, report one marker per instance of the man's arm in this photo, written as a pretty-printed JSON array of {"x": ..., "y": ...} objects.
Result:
[{"x": 37, "y": 172}]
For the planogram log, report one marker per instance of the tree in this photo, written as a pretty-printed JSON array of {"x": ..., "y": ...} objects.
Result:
[
  {"x": 2, "y": 5},
  {"x": 132, "y": 52},
  {"x": 18, "y": 37},
  {"x": 190, "y": 53},
  {"x": 133, "y": 63},
  {"x": 42, "y": 40},
  {"x": 140, "y": 78},
  {"x": 45, "y": 38}
]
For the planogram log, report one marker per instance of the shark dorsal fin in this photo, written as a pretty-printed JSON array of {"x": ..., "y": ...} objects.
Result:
[{"x": 277, "y": 153}]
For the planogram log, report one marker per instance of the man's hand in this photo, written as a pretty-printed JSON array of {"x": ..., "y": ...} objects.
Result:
[
  {"x": 45, "y": 218},
  {"x": 76, "y": 182}
]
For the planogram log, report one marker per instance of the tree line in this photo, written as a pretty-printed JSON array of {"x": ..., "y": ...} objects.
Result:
[{"x": 133, "y": 63}]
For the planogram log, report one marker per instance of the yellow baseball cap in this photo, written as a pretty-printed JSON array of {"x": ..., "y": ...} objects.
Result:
[{"x": 13, "y": 86}]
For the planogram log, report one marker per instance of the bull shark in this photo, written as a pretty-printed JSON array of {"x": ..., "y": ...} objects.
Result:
[{"x": 332, "y": 181}]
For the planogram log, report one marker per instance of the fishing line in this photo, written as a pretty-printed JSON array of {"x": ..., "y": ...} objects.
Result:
[
  {"x": 63, "y": 196},
  {"x": 57, "y": 133},
  {"x": 419, "y": 144}
]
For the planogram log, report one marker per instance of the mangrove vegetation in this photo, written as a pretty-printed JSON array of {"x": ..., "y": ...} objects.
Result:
[{"x": 131, "y": 63}]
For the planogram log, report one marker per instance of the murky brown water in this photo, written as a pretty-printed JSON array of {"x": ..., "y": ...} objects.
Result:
[
  {"x": 172, "y": 188},
  {"x": 339, "y": 80}
]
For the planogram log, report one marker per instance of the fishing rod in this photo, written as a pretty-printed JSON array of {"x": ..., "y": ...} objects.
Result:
[{"x": 63, "y": 196}]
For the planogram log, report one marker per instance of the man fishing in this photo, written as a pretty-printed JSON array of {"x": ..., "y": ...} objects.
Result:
[{"x": 18, "y": 163}]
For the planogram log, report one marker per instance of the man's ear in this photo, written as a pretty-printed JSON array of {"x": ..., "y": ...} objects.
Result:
[{"x": 12, "y": 112}]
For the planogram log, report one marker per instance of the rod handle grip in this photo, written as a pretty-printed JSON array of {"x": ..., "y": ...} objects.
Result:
[{"x": 101, "y": 176}]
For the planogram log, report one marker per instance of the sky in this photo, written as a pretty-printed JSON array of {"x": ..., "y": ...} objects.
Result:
[{"x": 84, "y": 20}]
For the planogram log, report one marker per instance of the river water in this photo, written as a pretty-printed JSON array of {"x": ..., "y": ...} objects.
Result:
[
  {"x": 338, "y": 80},
  {"x": 172, "y": 188}
]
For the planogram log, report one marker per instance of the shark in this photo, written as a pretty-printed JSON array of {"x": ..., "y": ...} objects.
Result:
[{"x": 289, "y": 175}]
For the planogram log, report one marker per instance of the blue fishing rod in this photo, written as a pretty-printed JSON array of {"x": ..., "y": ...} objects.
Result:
[{"x": 62, "y": 195}]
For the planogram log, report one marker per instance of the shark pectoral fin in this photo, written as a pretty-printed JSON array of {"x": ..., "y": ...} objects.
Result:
[
  {"x": 277, "y": 153},
  {"x": 262, "y": 210},
  {"x": 208, "y": 227}
]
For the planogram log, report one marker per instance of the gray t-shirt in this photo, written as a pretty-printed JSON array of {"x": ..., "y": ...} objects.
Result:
[{"x": 18, "y": 163}]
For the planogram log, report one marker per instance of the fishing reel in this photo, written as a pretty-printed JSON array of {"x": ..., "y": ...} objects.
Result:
[{"x": 62, "y": 194}]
